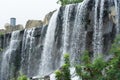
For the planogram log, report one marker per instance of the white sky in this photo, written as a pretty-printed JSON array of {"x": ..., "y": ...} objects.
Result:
[{"x": 23, "y": 10}]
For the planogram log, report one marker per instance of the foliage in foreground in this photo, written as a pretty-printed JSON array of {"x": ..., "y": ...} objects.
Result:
[
  {"x": 64, "y": 72},
  {"x": 65, "y": 2},
  {"x": 100, "y": 69},
  {"x": 22, "y": 77}
]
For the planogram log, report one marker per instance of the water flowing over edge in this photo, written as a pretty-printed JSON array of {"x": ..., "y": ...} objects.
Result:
[{"x": 5, "y": 70}]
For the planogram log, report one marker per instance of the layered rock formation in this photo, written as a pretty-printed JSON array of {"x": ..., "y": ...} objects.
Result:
[
  {"x": 29, "y": 24},
  {"x": 38, "y": 23},
  {"x": 48, "y": 17},
  {"x": 33, "y": 23}
]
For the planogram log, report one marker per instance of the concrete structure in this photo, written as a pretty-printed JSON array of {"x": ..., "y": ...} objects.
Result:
[{"x": 12, "y": 21}]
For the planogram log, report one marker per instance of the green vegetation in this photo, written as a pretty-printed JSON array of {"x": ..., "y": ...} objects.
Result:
[
  {"x": 1, "y": 49},
  {"x": 22, "y": 77},
  {"x": 99, "y": 69},
  {"x": 91, "y": 71},
  {"x": 64, "y": 72},
  {"x": 65, "y": 2},
  {"x": 2, "y": 33},
  {"x": 58, "y": 75},
  {"x": 113, "y": 73}
]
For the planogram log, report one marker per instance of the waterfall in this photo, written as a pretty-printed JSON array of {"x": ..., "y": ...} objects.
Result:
[
  {"x": 46, "y": 59},
  {"x": 27, "y": 51},
  {"x": 100, "y": 40},
  {"x": 98, "y": 29},
  {"x": 66, "y": 31},
  {"x": 95, "y": 26},
  {"x": 72, "y": 29},
  {"x": 117, "y": 16},
  {"x": 79, "y": 33},
  {"x": 30, "y": 50},
  {"x": 6, "y": 72}
]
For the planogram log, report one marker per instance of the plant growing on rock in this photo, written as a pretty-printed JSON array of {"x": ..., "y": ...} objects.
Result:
[
  {"x": 113, "y": 71},
  {"x": 88, "y": 70},
  {"x": 22, "y": 77},
  {"x": 65, "y": 2},
  {"x": 100, "y": 69},
  {"x": 64, "y": 72},
  {"x": 58, "y": 75}
]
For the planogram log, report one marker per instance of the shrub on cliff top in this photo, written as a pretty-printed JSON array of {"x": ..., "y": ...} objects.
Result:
[{"x": 65, "y": 2}]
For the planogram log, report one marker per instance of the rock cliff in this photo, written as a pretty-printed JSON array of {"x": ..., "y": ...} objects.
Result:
[
  {"x": 90, "y": 25},
  {"x": 33, "y": 23}
]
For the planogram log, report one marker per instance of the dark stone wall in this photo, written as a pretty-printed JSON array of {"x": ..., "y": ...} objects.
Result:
[{"x": 24, "y": 57}]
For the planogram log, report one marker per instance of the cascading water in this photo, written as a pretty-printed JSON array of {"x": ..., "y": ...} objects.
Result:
[
  {"x": 66, "y": 29},
  {"x": 32, "y": 39},
  {"x": 98, "y": 29},
  {"x": 117, "y": 15},
  {"x": 28, "y": 43},
  {"x": 72, "y": 29},
  {"x": 100, "y": 40},
  {"x": 79, "y": 33},
  {"x": 78, "y": 37},
  {"x": 95, "y": 27},
  {"x": 6, "y": 59},
  {"x": 46, "y": 59}
]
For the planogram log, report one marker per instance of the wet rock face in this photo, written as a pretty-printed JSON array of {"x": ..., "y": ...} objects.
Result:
[
  {"x": 32, "y": 47},
  {"x": 27, "y": 53},
  {"x": 27, "y": 56},
  {"x": 109, "y": 25},
  {"x": 4, "y": 42}
]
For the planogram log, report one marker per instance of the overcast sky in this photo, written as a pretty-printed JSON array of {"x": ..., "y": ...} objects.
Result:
[{"x": 23, "y": 10}]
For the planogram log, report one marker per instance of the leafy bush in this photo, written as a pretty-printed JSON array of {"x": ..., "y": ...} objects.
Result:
[
  {"x": 22, "y": 77},
  {"x": 66, "y": 59},
  {"x": 100, "y": 69},
  {"x": 64, "y": 72},
  {"x": 113, "y": 72},
  {"x": 65, "y": 2},
  {"x": 58, "y": 75},
  {"x": 91, "y": 71}
]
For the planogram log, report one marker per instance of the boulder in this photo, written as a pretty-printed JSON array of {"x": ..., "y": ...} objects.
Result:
[
  {"x": 47, "y": 17},
  {"x": 33, "y": 23}
]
